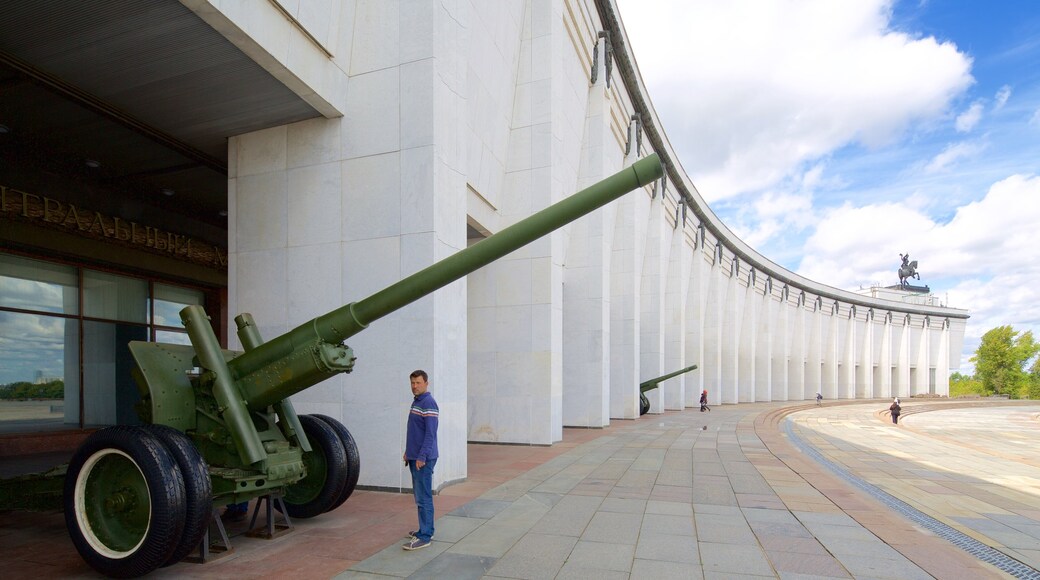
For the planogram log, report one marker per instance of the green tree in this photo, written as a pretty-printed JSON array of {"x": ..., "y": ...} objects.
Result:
[
  {"x": 1001, "y": 359},
  {"x": 964, "y": 385}
]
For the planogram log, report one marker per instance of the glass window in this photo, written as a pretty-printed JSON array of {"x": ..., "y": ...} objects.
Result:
[
  {"x": 170, "y": 300},
  {"x": 39, "y": 372},
  {"x": 109, "y": 390},
  {"x": 115, "y": 297},
  {"x": 34, "y": 285}
]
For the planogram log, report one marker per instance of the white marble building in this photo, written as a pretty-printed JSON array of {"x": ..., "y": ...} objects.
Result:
[{"x": 446, "y": 117}]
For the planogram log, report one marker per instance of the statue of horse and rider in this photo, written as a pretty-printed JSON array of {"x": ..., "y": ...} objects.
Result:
[{"x": 907, "y": 270}]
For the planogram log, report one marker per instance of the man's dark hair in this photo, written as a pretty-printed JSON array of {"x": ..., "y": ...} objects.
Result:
[{"x": 420, "y": 373}]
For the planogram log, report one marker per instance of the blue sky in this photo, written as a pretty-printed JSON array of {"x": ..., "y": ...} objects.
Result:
[{"x": 834, "y": 135}]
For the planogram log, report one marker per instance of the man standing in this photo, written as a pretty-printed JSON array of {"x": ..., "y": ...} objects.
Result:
[{"x": 420, "y": 455}]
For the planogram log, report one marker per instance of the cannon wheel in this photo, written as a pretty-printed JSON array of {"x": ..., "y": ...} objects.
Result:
[
  {"x": 644, "y": 404},
  {"x": 124, "y": 502},
  {"x": 198, "y": 488},
  {"x": 353, "y": 458},
  {"x": 326, "y": 465}
]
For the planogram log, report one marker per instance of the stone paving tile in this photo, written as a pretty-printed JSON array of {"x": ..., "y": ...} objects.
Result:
[
  {"x": 734, "y": 559},
  {"x": 454, "y": 566},
  {"x": 569, "y": 517},
  {"x": 669, "y": 508},
  {"x": 572, "y": 571},
  {"x": 655, "y": 570},
  {"x": 873, "y": 567},
  {"x": 481, "y": 508},
  {"x": 489, "y": 540},
  {"x": 454, "y": 528},
  {"x": 615, "y": 528},
  {"x": 534, "y": 557},
  {"x": 620, "y": 505},
  {"x": 394, "y": 561},
  {"x": 667, "y": 524},
  {"x": 823, "y": 565},
  {"x": 669, "y": 548},
  {"x": 604, "y": 556}
]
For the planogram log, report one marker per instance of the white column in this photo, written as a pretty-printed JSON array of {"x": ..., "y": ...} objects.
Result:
[
  {"x": 920, "y": 383},
  {"x": 696, "y": 298},
  {"x": 625, "y": 289},
  {"x": 847, "y": 360},
  {"x": 678, "y": 283},
  {"x": 714, "y": 313},
  {"x": 865, "y": 373},
  {"x": 942, "y": 361},
  {"x": 651, "y": 323},
  {"x": 901, "y": 384},
  {"x": 831, "y": 357},
  {"x": 814, "y": 353},
  {"x": 748, "y": 342},
  {"x": 731, "y": 318},
  {"x": 586, "y": 288},
  {"x": 764, "y": 349},
  {"x": 782, "y": 340},
  {"x": 883, "y": 388}
]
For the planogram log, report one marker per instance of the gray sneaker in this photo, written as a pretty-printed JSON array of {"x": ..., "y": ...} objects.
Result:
[{"x": 416, "y": 544}]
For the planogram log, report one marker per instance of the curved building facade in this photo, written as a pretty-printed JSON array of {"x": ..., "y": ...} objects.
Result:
[{"x": 350, "y": 143}]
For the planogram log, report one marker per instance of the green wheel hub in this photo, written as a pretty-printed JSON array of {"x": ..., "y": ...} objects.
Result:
[
  {"x": 112, "y": 502},
  {"x": 311, "y": 486}
]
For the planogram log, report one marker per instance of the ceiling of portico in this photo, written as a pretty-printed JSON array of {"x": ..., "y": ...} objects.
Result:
[{"x": 143, "y": 87}]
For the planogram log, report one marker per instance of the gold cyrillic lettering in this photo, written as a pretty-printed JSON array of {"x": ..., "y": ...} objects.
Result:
[
  {"x": 25, "y": 202},
  {"x": 99, "y": 222},
  {"x": 75, "y": 217},
  {"x": 117, "y": 232},
  {"x": 52, "y": 208},
  {"x": 221, "y": 258}
]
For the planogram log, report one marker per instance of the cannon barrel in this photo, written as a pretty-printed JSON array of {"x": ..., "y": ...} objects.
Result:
[
  {"x": 652, "y": 383},
  {"x": 275, "y": 370}
]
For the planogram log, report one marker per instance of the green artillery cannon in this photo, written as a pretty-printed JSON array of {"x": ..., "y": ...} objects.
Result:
[
  {"x": 219, "y": 426},
  {"x": 644, "y": 403}
]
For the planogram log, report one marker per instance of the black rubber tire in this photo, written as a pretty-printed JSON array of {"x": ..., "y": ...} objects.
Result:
[
  {"x": 124, "y": 465},
  {"x": 326, "y": 465},
  {"x": 644, "y": 404},
  {"x": 353, "y": 458},
  {"x": 198, "y": 488}
]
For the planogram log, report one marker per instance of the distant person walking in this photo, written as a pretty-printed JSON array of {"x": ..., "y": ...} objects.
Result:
[
  {"x": 704, "y": 401},
  {"x": 420, "y": 454},
  {"x": 819, "y": 399},
  {"x": 894, "y": 409}
]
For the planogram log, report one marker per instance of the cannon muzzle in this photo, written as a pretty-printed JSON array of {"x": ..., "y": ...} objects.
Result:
[{"x": 652, "y": 383}]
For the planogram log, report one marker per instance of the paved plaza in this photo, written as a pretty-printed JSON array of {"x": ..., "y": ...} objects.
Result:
[{"x": 763, "y": 490}]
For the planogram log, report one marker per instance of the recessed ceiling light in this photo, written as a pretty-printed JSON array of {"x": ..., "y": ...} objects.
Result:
[
  {"x": 167, "y": 191},
  {"x": 93, "y": 164},
  {"x": 4, "y": 129},
  {"x": 223, "y": 213}
]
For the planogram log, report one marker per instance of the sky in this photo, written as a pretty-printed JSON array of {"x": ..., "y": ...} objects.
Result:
[{"x": 833, "y": 136}]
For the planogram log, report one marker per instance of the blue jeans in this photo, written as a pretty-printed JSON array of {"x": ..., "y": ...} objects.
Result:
[{"x": 422, "y": 489}]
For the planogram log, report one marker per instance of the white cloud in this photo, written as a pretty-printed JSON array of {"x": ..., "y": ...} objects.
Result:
[
  {"x": 951, "y": 154},
  {"x": 990, "y": 247},
  {"x": 1035, "y": 119},
  {"x": 967, "y": 120},
  {"x": 744, "y": 115},
  {"x": 987, "y": 238},
  {"x": 1002, "y": 97}
]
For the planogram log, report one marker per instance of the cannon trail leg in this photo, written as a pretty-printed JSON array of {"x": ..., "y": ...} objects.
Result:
[
  {"x": 326, "y": 465},
  {"x": 124, "y": 502},
  {"x": 198, "y": 488},
  {"x": 353, "y": 458},
  {"x": 644, "y": 404}
]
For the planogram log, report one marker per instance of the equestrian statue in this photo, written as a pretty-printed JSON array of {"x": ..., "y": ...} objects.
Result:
[{"x": 907, "y": 270}]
